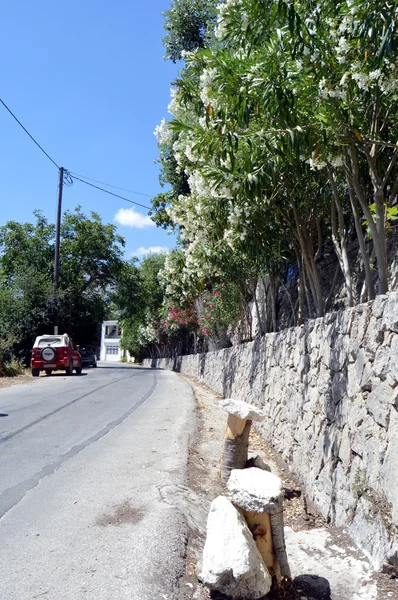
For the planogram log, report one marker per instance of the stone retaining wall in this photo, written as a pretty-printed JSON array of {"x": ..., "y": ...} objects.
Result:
[{"x": 329, "y": 390}]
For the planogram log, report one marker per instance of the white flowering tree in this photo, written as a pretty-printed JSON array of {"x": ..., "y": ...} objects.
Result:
[{"x": 284, "y": 127}]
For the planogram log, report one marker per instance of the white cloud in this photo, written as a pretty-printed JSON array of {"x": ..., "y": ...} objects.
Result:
[
  {"x": 131, "y": 218},
  {"x": 150, "y": 250}
]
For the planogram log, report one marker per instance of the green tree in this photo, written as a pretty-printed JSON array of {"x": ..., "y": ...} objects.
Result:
[
  {"x": 91, "y": 260},
  {"x": 187, "y": 23},
  {"x": 283, "y": 128},
  {"x": 138, "y": 299}
]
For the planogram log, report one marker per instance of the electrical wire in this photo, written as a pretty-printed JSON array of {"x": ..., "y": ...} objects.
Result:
[
  {"x": 110, "y": 193},
  {"x": 27, "y": 132},
  {"x": 112, "y": 186},
  {"x": 69, "y": 177}
]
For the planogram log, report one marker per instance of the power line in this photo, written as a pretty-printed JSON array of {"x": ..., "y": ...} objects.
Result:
[
  {"x": 70, "y": 176},
  {"x": 27, "y": 132},
  {"x": 111, "y": 193},
  {"x": 112, "y": 186}
]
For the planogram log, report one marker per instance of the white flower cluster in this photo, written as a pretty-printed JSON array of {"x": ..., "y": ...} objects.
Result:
[
  {"x": 326, "y": 91},
  {"x": 317, "y": 164},
  {"x": 207, "y": 87},
  {"x": 174, "y": 104},
  {"x": 342, "y": 49},
  {"x": 203, "y": 188},
  {"x": 223, "y": 10},
  {"x": 146, "y": 333},
  {"x": 163, "y": 133}
]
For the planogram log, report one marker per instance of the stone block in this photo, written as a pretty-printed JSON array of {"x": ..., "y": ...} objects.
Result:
[
  {"x": 255, "y": 490},
  {"x": 343, "y": 499},
  {"x": 257, "y": 462},
  {"x": 381, "y": 365},
  {"x": 389, "y": 319},
  {"x": 324, "y": 378},
  {"x": 363, "y": 435},
  {"x": 339, "y": 387},
  {"x": 232, "y": 563},
  {"x": 379, "y": 403},
  {"x": 393, "y": 361},
  {"x": 378, "y": 306},
  {"x": 345, "y": 447},
  {"x": 363, "y": 369},
  {"x": 374, "y": 336},
  {"x": 389, "y": 469},
  {"x": 353, "y": 386},
  {"x": 339, "y": 353},
  {"x": 357, "y": 412},
  {"x": 368, "y": 530},
  {"x": 323, "y": 492},
  {"x": 359, "y": 326},
  {"x": 242, "y": 410}
]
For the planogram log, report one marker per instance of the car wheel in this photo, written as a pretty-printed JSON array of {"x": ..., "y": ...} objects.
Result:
[
  {"x": 35, "y": 372},
  {"x": 78, "y": 370},
  {"x": 95, "y": 364},
  {"x": 69, "y": 370},
  {"x": 48, "y": 371}
]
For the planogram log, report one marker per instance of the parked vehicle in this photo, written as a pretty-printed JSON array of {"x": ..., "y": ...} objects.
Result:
[
  {"x": 88, "y": 356},
  {"x": 55, "y": 353}
]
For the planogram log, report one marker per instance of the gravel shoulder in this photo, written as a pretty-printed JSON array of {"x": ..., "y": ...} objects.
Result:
[{"x": 316, "y": 550}]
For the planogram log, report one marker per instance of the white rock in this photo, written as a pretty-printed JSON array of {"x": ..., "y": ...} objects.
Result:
[
  {"x": 255, "y": 490},
  {"x": 241, "y": 409},
  {"x": 232, "y": 563},
  {"x": 256, "y": 461}
]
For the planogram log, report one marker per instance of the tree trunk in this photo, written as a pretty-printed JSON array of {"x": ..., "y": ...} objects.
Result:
[
  {"x": 260, "y": 322},
  {"x": 379, "y": 238},
  {"x": 362, "y": 246},
  {"x": 289, "y": 296},
  {"x": 236, "y": 444},
  {"x": 331, "y": 291},
  {"x": 300, "y": 288},
  {"x": 339, "y": 231},
  {"x": 272, "y": 290},
  {"x": 312, "y": 272}
]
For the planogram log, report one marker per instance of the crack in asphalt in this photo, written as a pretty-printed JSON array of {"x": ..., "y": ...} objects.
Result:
[{"x": 13, "y": 495}]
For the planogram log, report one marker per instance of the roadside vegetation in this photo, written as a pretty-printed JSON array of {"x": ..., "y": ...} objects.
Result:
[
  {"x": 281, "y": 143},
  {"x": 91, "y": 261}
]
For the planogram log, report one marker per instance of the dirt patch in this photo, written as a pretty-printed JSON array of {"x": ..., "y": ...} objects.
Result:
[
  {"x": 121, "y": 515},
  {"x": 299, "y": 512},
  {"x": 17, "y": 380}
]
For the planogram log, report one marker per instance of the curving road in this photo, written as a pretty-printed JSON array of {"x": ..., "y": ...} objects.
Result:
[{"x": 83, "y": 460}]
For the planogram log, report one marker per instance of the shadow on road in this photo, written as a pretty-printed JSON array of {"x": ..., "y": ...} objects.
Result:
[
  {"x": 62, "y": 374},
  {"x": 122, "y": 366}
]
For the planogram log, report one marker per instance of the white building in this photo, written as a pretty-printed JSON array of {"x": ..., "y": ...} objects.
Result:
[{"x": 110, "y": 342}]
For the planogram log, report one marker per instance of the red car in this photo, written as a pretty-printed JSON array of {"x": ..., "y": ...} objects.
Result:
[{"x": 55, "y": 353}]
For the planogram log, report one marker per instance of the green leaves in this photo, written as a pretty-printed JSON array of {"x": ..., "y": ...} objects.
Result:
[
  {"x": 91, "y": 259},
  {"x": 186, "y": 24}
]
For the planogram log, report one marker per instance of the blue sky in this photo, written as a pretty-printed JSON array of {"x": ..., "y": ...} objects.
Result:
[{"x": 89, "y": 81}]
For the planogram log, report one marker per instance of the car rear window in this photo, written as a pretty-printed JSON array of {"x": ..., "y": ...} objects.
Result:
[{"x": 52, "y": 341}]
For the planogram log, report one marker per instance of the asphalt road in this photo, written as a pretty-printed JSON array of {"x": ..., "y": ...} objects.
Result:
[{"x": 83, "y": 461}]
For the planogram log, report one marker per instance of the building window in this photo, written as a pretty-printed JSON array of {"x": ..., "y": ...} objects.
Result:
[
  {"x": 112, "y": 331},
  {"x": 112, "y": 350}
]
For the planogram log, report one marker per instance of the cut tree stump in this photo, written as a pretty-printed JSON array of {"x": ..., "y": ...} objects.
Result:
[
  {"x": 236, "y": 439},
  {"x": 259, "y": 496}
]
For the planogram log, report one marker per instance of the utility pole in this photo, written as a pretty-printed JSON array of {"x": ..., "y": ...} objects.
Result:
[{"x": 57, "y": 244}]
